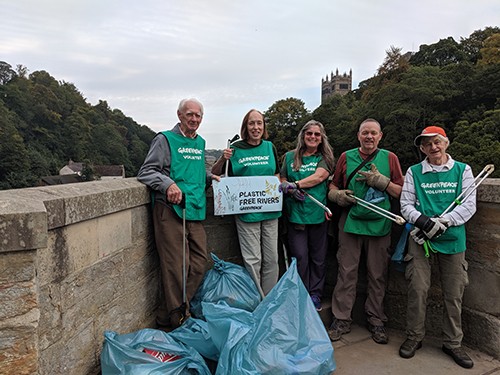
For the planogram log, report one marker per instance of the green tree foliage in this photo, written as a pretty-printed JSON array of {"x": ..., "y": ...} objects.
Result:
[
  {"x": 44, "y": 123},
  {"x": 475, "y": 42},
  {"x": 284, "y": 119},
  {"x": 13, "y": 153},
  {"x": 478, "y": 144},
  {"x": 6, "y": 72},
  {"x": 339, "y": 116},
  {"x": 446, "y": 51}
]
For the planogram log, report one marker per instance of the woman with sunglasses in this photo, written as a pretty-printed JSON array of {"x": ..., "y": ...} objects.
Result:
[{"x": 304, "y": 173}]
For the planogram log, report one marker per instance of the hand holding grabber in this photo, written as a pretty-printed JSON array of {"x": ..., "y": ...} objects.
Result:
[
  {"x": 379, "y": 210},
  {"x": 229, "y": 141}
]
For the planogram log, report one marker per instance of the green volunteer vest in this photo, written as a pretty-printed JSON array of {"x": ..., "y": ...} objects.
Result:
[
  {"x": 361, "y": 220},
  {"x": 187, "y": 169},
  {"x": 305, "y": 212},
  {"x": 255, "y": 161},
  {"x": 435, "y": 192}
]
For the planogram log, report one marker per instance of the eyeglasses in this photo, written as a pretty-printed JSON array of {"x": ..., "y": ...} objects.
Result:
[{"x": 316, "y": 134}]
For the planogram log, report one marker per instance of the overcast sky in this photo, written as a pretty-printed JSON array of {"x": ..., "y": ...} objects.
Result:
[{"x": 143, "y": 56}]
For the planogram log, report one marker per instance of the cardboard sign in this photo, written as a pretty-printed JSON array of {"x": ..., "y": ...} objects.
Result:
[{"x": 239, "y": 195}]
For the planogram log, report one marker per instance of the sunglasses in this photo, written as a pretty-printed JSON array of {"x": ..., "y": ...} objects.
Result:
[{"x": 317, "y": 134}]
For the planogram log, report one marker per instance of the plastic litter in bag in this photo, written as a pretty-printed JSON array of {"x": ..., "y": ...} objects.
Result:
[
  {"x": 283, "y": 335},
  {"x": 226, "y": 282},
  {"x": 374, "y": 196},
  {"x": 162, "y": 356},
  {"x": 149, "y": 352}
]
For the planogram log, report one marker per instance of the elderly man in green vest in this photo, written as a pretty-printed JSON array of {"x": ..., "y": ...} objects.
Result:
[
  {"x": 175, "y": 168},
  {"x": 429, "y": 188},
  {"x": 374, "y": 175}
]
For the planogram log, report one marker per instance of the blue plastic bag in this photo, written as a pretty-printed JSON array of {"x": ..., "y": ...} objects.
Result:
[
  {"x": 284, "y": 335},
  {"x": 374, "y": 196},
  {"x": 399, "y": 253},
  {"x": 194, "y": 333},
  {"x": 226, "y": 282},
  {"x": 123, "y": 354}
]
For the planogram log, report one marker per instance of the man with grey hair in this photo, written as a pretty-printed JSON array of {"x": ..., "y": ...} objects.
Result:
[
  {"x": 429, "y": 188},
  {"x": 174, "y": 169},
  {"x": 374, "y": 175}
]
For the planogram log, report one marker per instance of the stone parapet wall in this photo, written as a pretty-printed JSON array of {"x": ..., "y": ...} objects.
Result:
[
  {"x": 75, "y": 260},
  {"x": 79, "y": 259}
]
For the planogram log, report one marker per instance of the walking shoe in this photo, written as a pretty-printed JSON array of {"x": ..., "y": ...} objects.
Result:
[
  {"x": 379, "y": 334},
  {"x": 459, "y": 356},
  {"x": 316, "y": 302},
  {"x": 338, "y": 328},
  {"x": 409, "y": 347}
]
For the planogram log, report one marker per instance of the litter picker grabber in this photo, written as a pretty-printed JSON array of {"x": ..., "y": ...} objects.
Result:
[
  {"x": 328, "y": 212},
  {"x": 379, "y": 210},
  {"x": 489, "y": 169},
  {"x": 184, "y": 244},
  {"x": 229, "y": 141},
  {"x": 398, "y": 255},
  {"x": 285, "y": 256}
]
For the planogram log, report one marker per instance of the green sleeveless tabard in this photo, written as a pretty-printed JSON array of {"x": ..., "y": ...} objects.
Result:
[
  {"x": 187, "y": 169},
  {"x": 435, "y": 192},
  {"x": 361, "y": 220},
  {"x": 255, "y": 161},
  {"x": 305, "y": 212}
]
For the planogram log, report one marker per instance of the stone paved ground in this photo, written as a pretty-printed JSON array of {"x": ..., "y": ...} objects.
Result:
[{"x": 356, "y": 353}]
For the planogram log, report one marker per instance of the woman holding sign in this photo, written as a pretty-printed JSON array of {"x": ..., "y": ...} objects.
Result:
[
  {"x": 257, "y": 232},
  {"x": 304, "y": 177}
]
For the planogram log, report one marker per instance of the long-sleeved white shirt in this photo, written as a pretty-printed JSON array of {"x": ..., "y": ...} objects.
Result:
[{"x": 460, "y": 213}]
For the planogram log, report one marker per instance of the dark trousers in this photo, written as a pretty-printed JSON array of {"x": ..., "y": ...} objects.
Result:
[
  {"x": 168, "y": 236},
  {"x": 308, "y": 244}
]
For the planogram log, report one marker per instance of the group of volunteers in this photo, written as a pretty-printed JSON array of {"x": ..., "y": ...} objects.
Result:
[{"x": 174, "y": 169}]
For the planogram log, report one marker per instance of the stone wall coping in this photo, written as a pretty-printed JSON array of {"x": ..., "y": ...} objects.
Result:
[
  {"x": 27, "y": 214},
  {"x": 489, "y": 191}
]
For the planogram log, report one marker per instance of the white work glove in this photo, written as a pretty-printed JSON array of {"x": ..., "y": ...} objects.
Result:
[
  {"x": 418, "y": 236},
  {"x": 432, "y": 227}
]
